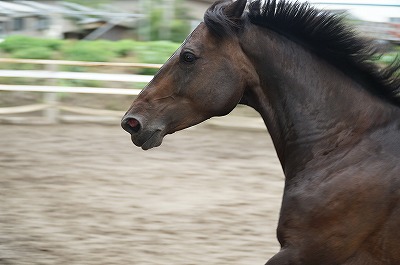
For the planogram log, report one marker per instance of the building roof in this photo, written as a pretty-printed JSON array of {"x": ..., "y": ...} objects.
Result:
[
  {"x": 13, "y": 9},
  {"x": 43, "y": 7}
]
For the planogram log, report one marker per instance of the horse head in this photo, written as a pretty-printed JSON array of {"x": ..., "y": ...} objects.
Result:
[{"x": 205, "y": 77}]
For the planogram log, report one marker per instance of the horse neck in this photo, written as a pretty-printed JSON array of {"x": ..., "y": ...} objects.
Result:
[{"x": 309, "y": 106}]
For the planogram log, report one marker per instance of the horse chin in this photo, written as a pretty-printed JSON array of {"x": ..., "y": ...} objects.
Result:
[{"x": 149, "y": 140}]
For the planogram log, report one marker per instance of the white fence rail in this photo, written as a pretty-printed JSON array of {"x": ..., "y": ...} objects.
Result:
[
  {"x": 75, "y": 75},
  {"x": 51, "y": 106}
]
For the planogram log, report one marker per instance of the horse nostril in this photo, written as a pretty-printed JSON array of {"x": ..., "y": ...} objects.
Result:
[
  {"x": 131, "y": 125},
  {"x": 134, "y": 123}
]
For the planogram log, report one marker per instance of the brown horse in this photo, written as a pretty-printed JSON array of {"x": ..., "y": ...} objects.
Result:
[{"x": 333, "y": 115}]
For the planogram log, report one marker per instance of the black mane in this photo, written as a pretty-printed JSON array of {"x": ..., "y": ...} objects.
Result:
[{"x": 325, "y": 33}]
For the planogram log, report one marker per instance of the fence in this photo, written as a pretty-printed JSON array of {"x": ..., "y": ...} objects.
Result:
[{"x": 51, "y": 106}]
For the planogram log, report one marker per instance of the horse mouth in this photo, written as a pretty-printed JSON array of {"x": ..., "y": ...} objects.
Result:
[{"x": 155, "y": 139}]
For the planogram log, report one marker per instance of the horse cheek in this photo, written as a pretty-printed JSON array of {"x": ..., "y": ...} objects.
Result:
[
  {"x": 230, "y": 90},
  {"x": 216, "y": 95}
]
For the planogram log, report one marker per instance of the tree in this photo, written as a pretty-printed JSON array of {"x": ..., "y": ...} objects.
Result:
[{"x": 165, "y": 20}]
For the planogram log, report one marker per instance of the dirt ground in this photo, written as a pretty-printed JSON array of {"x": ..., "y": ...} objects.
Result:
[{"x": 84, "y": 194}]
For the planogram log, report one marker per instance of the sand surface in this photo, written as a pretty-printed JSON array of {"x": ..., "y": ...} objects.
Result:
[{"x": 84, "y": 194}]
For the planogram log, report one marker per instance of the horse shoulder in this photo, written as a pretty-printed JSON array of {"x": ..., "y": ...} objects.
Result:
[{"x": 346, "y": 207}]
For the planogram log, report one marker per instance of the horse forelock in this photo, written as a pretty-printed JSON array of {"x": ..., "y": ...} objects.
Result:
[
  {"x": 323, "y": 32},
  {"x": 218, "y": 22}
]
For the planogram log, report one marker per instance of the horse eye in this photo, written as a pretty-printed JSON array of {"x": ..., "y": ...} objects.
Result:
[{"x": 188, "y": 57}]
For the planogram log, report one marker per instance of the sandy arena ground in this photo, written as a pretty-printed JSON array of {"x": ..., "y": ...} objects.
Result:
[{"x": 83, "y": 194}]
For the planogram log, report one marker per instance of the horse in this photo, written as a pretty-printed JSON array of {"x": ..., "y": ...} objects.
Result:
[{"x": 332, "y": 112}]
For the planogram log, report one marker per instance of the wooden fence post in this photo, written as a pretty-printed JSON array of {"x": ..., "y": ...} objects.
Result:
[{"x": 51, "y": 113}]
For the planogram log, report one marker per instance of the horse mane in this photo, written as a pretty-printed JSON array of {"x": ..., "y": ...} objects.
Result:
[{"x": 325, "y": 33}]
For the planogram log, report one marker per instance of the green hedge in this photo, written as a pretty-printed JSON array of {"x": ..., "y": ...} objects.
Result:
[
  {"x": 102, "y": 50},
  {"x": 157, "y": 52},
  {"x": 16, "y": 43},
  {"x": 33, "y": 53},
  {"x": 94, "y": 51},
  {"x": 99, "y": 50}
]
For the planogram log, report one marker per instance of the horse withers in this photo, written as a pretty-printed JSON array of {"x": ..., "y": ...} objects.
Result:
[{"x": 333, "y": 115}]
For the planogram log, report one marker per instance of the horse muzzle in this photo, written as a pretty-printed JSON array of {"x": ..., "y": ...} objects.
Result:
[{"x": 142, "y": 136}]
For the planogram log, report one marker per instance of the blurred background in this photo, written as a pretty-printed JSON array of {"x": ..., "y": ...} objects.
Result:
[{"x": 74, "y": 189}]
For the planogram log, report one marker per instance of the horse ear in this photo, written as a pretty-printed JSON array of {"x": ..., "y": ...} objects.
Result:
[{"x": 235, "y": 9}]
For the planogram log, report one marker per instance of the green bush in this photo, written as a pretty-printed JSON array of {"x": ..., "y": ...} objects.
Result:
[
  {"x": 156, "y": 52},
  {"x": 124, "y": 48},
  {"x": 95, "y": 51},
  {"x": 33, "y": 53},
  {"x": 99, "y": 50},
  {"x": 17, "y": 43},
  {"x": 179, "y": 30}
]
